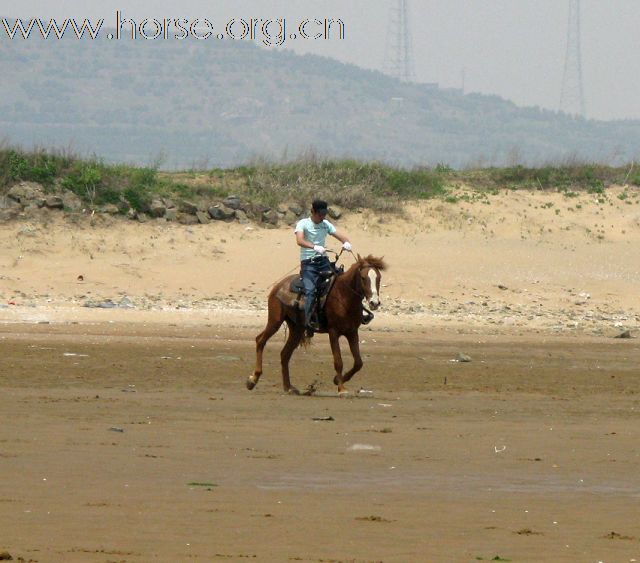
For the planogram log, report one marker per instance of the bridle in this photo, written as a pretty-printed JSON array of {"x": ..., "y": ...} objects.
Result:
[
  {"x": 375, "y": 287},
  {"x": 361, "y": 294}
]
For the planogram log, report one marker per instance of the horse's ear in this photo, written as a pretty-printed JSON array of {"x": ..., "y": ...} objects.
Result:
[{"x": 359, "y": 257}]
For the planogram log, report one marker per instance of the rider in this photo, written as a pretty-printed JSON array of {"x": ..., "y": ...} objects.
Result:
[{"x": 310, "y": 236}]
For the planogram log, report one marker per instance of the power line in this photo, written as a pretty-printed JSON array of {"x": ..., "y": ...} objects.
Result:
[
  {"x": 572, "y": 96},
  {"x": 399, "y": 61}
]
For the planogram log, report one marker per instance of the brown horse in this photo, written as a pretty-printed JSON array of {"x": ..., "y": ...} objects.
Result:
[{"x": 343, "y": 309}]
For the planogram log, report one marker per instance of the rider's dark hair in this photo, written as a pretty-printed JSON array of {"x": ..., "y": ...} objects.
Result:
[{"x": 319, "y": 206}]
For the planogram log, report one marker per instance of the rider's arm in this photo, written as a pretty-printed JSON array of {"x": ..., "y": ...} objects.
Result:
[
  {"x": 342, "y": 237},
  {"x": 302, "y": 241}
]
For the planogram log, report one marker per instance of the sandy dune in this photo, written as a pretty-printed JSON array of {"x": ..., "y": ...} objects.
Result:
[{"x": 567, "y": 263}]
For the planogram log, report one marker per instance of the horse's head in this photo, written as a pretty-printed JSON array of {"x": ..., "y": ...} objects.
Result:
[{"x": 370, "y": 276}]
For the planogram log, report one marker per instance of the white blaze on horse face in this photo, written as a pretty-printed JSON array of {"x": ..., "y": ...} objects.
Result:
[{"x": 373, "y": 279}]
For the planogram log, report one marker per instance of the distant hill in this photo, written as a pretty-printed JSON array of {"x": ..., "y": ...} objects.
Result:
[{"x": 220, "y": 103}]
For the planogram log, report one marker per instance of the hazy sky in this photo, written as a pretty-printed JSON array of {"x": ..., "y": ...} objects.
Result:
[{"x": 513, "y": 48}]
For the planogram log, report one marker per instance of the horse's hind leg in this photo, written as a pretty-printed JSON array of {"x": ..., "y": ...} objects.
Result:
[
  {"x": 273, "y": 325},
  {"x": 296, "y": 332}
]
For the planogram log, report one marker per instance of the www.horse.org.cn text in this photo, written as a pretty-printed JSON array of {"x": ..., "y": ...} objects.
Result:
[{"x": 272, "y": 32}]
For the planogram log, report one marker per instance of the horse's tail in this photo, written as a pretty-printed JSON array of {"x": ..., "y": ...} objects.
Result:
[{"x": 305, "y": 341}]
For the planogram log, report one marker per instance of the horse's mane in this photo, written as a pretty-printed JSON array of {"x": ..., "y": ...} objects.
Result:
[
  {"x": 363, "y": 262},
  {"x": 372, "y": 261}
]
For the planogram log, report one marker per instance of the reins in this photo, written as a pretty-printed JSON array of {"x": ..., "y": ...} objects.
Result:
[
  {"x": 360, "y": 295},
  {"x": 281, "y": 278},
  {"x": 333, "y": 266}
]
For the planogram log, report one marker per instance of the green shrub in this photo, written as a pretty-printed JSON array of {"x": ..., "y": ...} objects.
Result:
[
  {"x": 108, "y": 195},
  {"x": 184, "y": 190},
  {"x": 138, "y": 198},
  {"x": 444, "y": 168},
  {"x": 84, "y": 179},
  {"x": 35, "y": 166},
  {"x": 143, "y": 177},
  {"x": 348, "y": 183},
  {"x": 18, "y": 166}
]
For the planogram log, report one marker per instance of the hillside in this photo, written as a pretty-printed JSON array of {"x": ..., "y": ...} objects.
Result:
[{"x": 221, "y": 103}]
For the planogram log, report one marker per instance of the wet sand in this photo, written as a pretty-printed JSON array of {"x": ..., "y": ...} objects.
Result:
[
  {"x": 132, "y": 441},
  {"x": 127, "y": 434}
]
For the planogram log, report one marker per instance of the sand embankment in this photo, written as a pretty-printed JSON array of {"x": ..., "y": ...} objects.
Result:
[{"x": 515, "y": 261}]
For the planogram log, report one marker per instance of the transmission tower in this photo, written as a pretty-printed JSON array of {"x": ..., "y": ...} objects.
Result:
[
  {"x": 399, "y": 52},
  {"x": 572, "y": 97}
]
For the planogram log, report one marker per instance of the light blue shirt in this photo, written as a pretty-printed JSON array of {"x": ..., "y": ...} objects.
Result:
[{"x": 316, "y": 234}]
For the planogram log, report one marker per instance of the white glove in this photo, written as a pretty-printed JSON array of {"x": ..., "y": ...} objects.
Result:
[
  {"x": 346, "y": 246},
  {"x": 320, "y": 249}
]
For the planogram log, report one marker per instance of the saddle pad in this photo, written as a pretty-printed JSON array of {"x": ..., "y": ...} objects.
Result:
[{"x": 296, "y": 286}]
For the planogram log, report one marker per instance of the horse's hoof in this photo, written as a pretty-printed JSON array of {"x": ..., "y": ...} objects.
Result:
[
  {"x": 251, "y": 383},
  {"x": 292, "y": 391},
  {"x": 343, "y": 393}
]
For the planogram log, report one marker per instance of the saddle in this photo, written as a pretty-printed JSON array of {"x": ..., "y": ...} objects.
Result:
[{"x": 325, "y": 282}]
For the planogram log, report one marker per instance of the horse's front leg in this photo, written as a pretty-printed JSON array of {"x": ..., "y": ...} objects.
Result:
[
  {"x": 354, "y": 346},
  {"x": 334, "y": 339}
]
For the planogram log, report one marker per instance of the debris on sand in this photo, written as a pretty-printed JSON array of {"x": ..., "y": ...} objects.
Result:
[
  {"x": 227, "y": 358},
  {"x": 108, "y": 304},
  {"x": 364, "y": 448},
  {"x": 617, "y": 536},
  {"x": 372, "y": 519},
  {"x": 116, "y": 429},
  {"x": 625, "y": 334},
  {"x": 527, "y": 532},
  {"x": 124, "y": 303},
  {"x": 462, "y": 358},
  {"x": 311, "y": 389},
  {"x": 323, "y": 418}
]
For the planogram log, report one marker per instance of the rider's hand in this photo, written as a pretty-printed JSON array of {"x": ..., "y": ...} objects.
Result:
[
  {"x": 346, "y": 246},
  {"x": 320, "y": 249}
]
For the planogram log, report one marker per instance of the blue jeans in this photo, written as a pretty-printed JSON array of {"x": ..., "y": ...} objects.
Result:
[{"x": 310, "y": 270}]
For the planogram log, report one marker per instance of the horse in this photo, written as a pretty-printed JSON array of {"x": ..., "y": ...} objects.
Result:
[{"x": 344, "y": 315}]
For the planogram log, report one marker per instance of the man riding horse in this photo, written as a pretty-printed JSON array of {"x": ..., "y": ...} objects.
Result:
[
  {"x": 343, "y": 312},
  {"x": 310, "y": 236}
]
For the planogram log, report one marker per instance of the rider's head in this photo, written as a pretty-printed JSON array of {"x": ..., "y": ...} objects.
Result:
[{"x": 318, "y": 210}]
